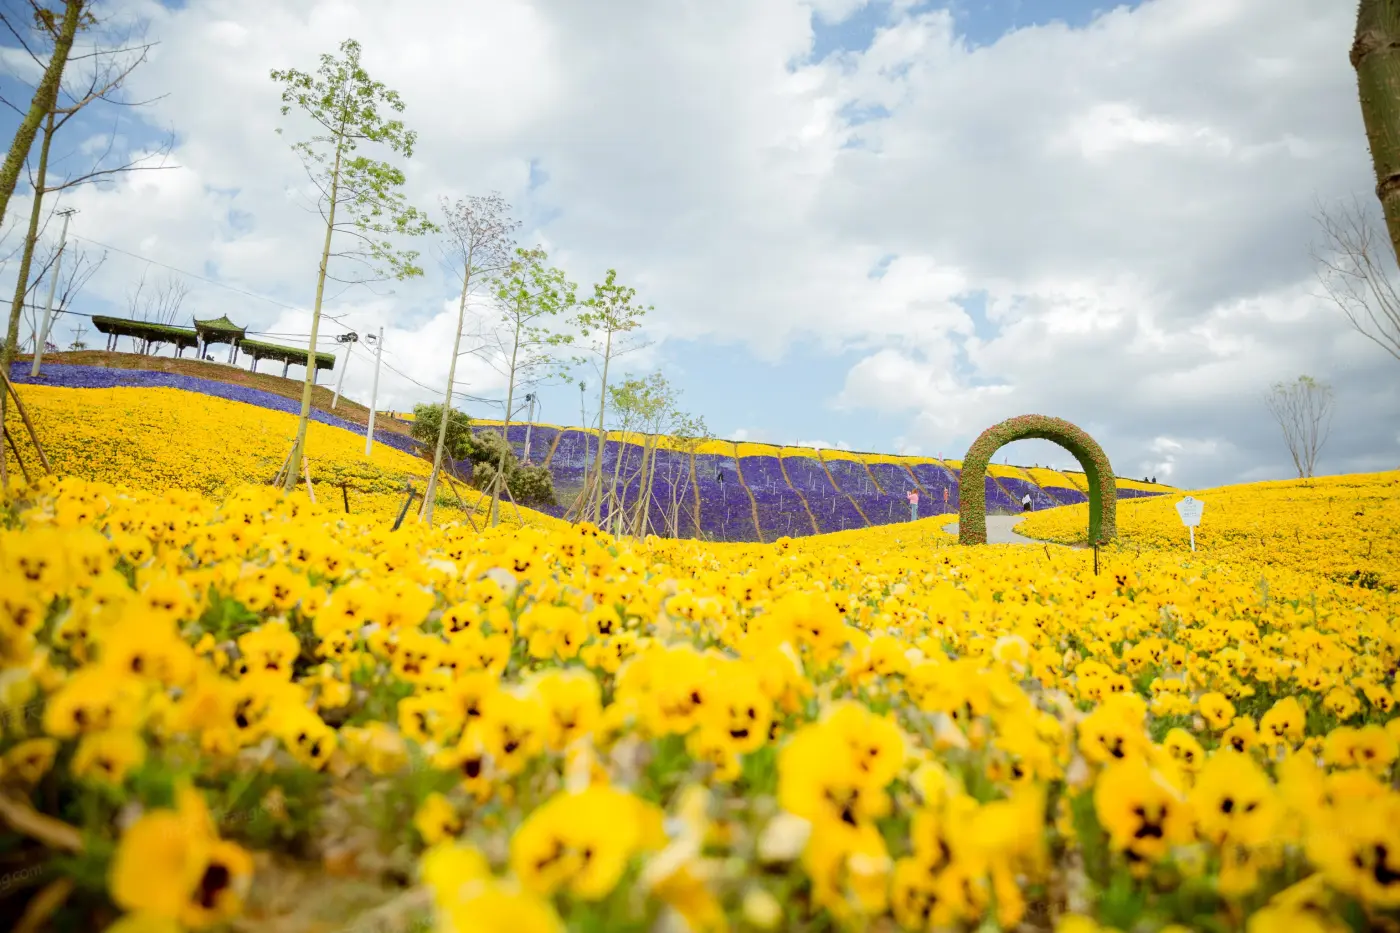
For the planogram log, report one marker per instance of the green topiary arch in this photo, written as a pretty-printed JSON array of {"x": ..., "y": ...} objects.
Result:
[{"x": 972, "y": 483}]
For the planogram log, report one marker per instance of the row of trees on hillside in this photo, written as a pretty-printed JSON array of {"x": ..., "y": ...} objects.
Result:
[
  {"x": 649, "y": 406},
  {"x": 531, "y": 322}
]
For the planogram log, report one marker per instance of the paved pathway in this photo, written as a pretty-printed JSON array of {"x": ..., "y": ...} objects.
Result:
[{"x": 999, "y": 530}]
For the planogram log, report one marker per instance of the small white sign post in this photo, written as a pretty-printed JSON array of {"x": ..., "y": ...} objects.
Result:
[{"x": 1190, "y": 510}]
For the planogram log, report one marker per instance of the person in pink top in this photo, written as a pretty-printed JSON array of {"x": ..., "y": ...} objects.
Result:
[{"x": 913, "y": 497}]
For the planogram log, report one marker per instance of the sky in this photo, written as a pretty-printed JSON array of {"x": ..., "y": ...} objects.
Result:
[{"x": 883, "y": 225}]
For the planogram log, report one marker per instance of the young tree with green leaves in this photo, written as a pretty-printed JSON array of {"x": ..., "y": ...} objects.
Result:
[
  {"x": 358, "y": 197},
  {"x": 604, "y": 321},
  {"x": 688, "y": 432},
  {"x": 648, "y": 405},
  {"x": 479, "y": 247},
  {"x": 635, "y": 403},
  {"x": 530, "y": 295},
  {"x": 681, "y": 429}
]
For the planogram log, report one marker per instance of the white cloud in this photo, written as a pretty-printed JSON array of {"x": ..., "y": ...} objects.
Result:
[
  {"x": 822, "y": 445},
  {"x": 1131, "y": 199},
  {"x": 1109, "y": 128}
]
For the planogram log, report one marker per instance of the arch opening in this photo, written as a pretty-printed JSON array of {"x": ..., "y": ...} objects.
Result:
[{"x": 972, "y": 483}]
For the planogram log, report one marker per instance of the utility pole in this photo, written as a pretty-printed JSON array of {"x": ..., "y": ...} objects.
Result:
[
  {"x": 43, "y": 332},
  {"x": 374, "y": 393},
  {"x": 346, "y": 339},
  {"x": 529, "y": 424}
]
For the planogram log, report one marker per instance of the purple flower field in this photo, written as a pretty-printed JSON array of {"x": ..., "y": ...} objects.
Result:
[
  {"x": 1019, "y": 487},
  {"x": 851, "y": 477},
  {"x": 763, "y": 473},
  {"x": 1060, "y": 495},
  {"x": 936, "y": 480},
  {"x": 540, "y": 439},
  {"x": 730, "y": 490},
  {"x": 894, "y": 480},
  {"x": 68, "y": 376}
]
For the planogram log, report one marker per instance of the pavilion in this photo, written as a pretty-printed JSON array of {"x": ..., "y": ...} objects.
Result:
[{"x": 205, "y": 334}]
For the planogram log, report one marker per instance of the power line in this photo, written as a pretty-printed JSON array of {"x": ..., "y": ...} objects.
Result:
[
  {"x": 436, "y": 392},
  {"x": 202, "y": 278}
]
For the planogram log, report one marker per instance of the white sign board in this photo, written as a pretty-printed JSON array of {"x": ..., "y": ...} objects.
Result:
[{"x": 1190, "y": 511}]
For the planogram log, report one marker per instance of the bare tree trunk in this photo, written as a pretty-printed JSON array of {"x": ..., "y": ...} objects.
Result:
[
  {"x": 680, "y": 482},
  {"x": 578, "y": 510},
  {"x": 26, "y": 260},
  {"x": 31, "y": 239},
  {"x": 304, "y": 419},
  {"x": 602, "y": 432},
  {"x": 431, "y": 492},
  {"x": 617, "y": 470},
  {"x": 672, "y": 511},
  {"x": 639, "y": 506},
  {"x": 651, "y": 482},
  {"x": 648, "y": 477},
  {"x": 505, "y": 434},
  {"x": 42, "y": 103},
  {"x": 1375, "y": 54}
]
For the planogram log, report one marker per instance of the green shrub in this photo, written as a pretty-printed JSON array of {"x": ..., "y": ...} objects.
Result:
[
  {"x": 427, "y": 421},
  {"x": 528, "y": 485},
  {"x": 487, "y": 447},
  {"x": 532, "y": 485}
]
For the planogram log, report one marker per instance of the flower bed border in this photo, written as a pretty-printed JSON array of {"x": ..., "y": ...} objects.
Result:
[{"x": 1103, "y": 493}]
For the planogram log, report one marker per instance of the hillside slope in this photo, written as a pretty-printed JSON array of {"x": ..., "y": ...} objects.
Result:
[
  {"x": 714, "y": 489},
  {"x": 1340, "y": 526},
  {"x": 840, "y": 489},
  {"x": 162, "y": 439},
  {"x": 321, "y": 395}
]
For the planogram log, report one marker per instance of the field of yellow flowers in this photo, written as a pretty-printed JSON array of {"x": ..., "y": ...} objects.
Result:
[
  {"x": 169, "y": 439},
  {"x": 1341, "y": 526},
  {"x": 238, "y": 710}
]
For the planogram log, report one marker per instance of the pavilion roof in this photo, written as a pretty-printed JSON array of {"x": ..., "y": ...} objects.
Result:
[
  {"x": 145, "y": 330},
  {"x": 272, "y": 351},
  {"x": 219, "y": 324}
]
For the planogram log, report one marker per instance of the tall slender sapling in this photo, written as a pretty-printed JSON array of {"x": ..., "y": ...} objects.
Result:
[
  {"x": 479, "y": 246},
  {"x": 357, "y": 197}
]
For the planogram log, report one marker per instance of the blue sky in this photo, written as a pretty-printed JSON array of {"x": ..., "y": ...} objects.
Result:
[
  {"x": 980, "y": 22},
  {"x": 885, "y": 229}
]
